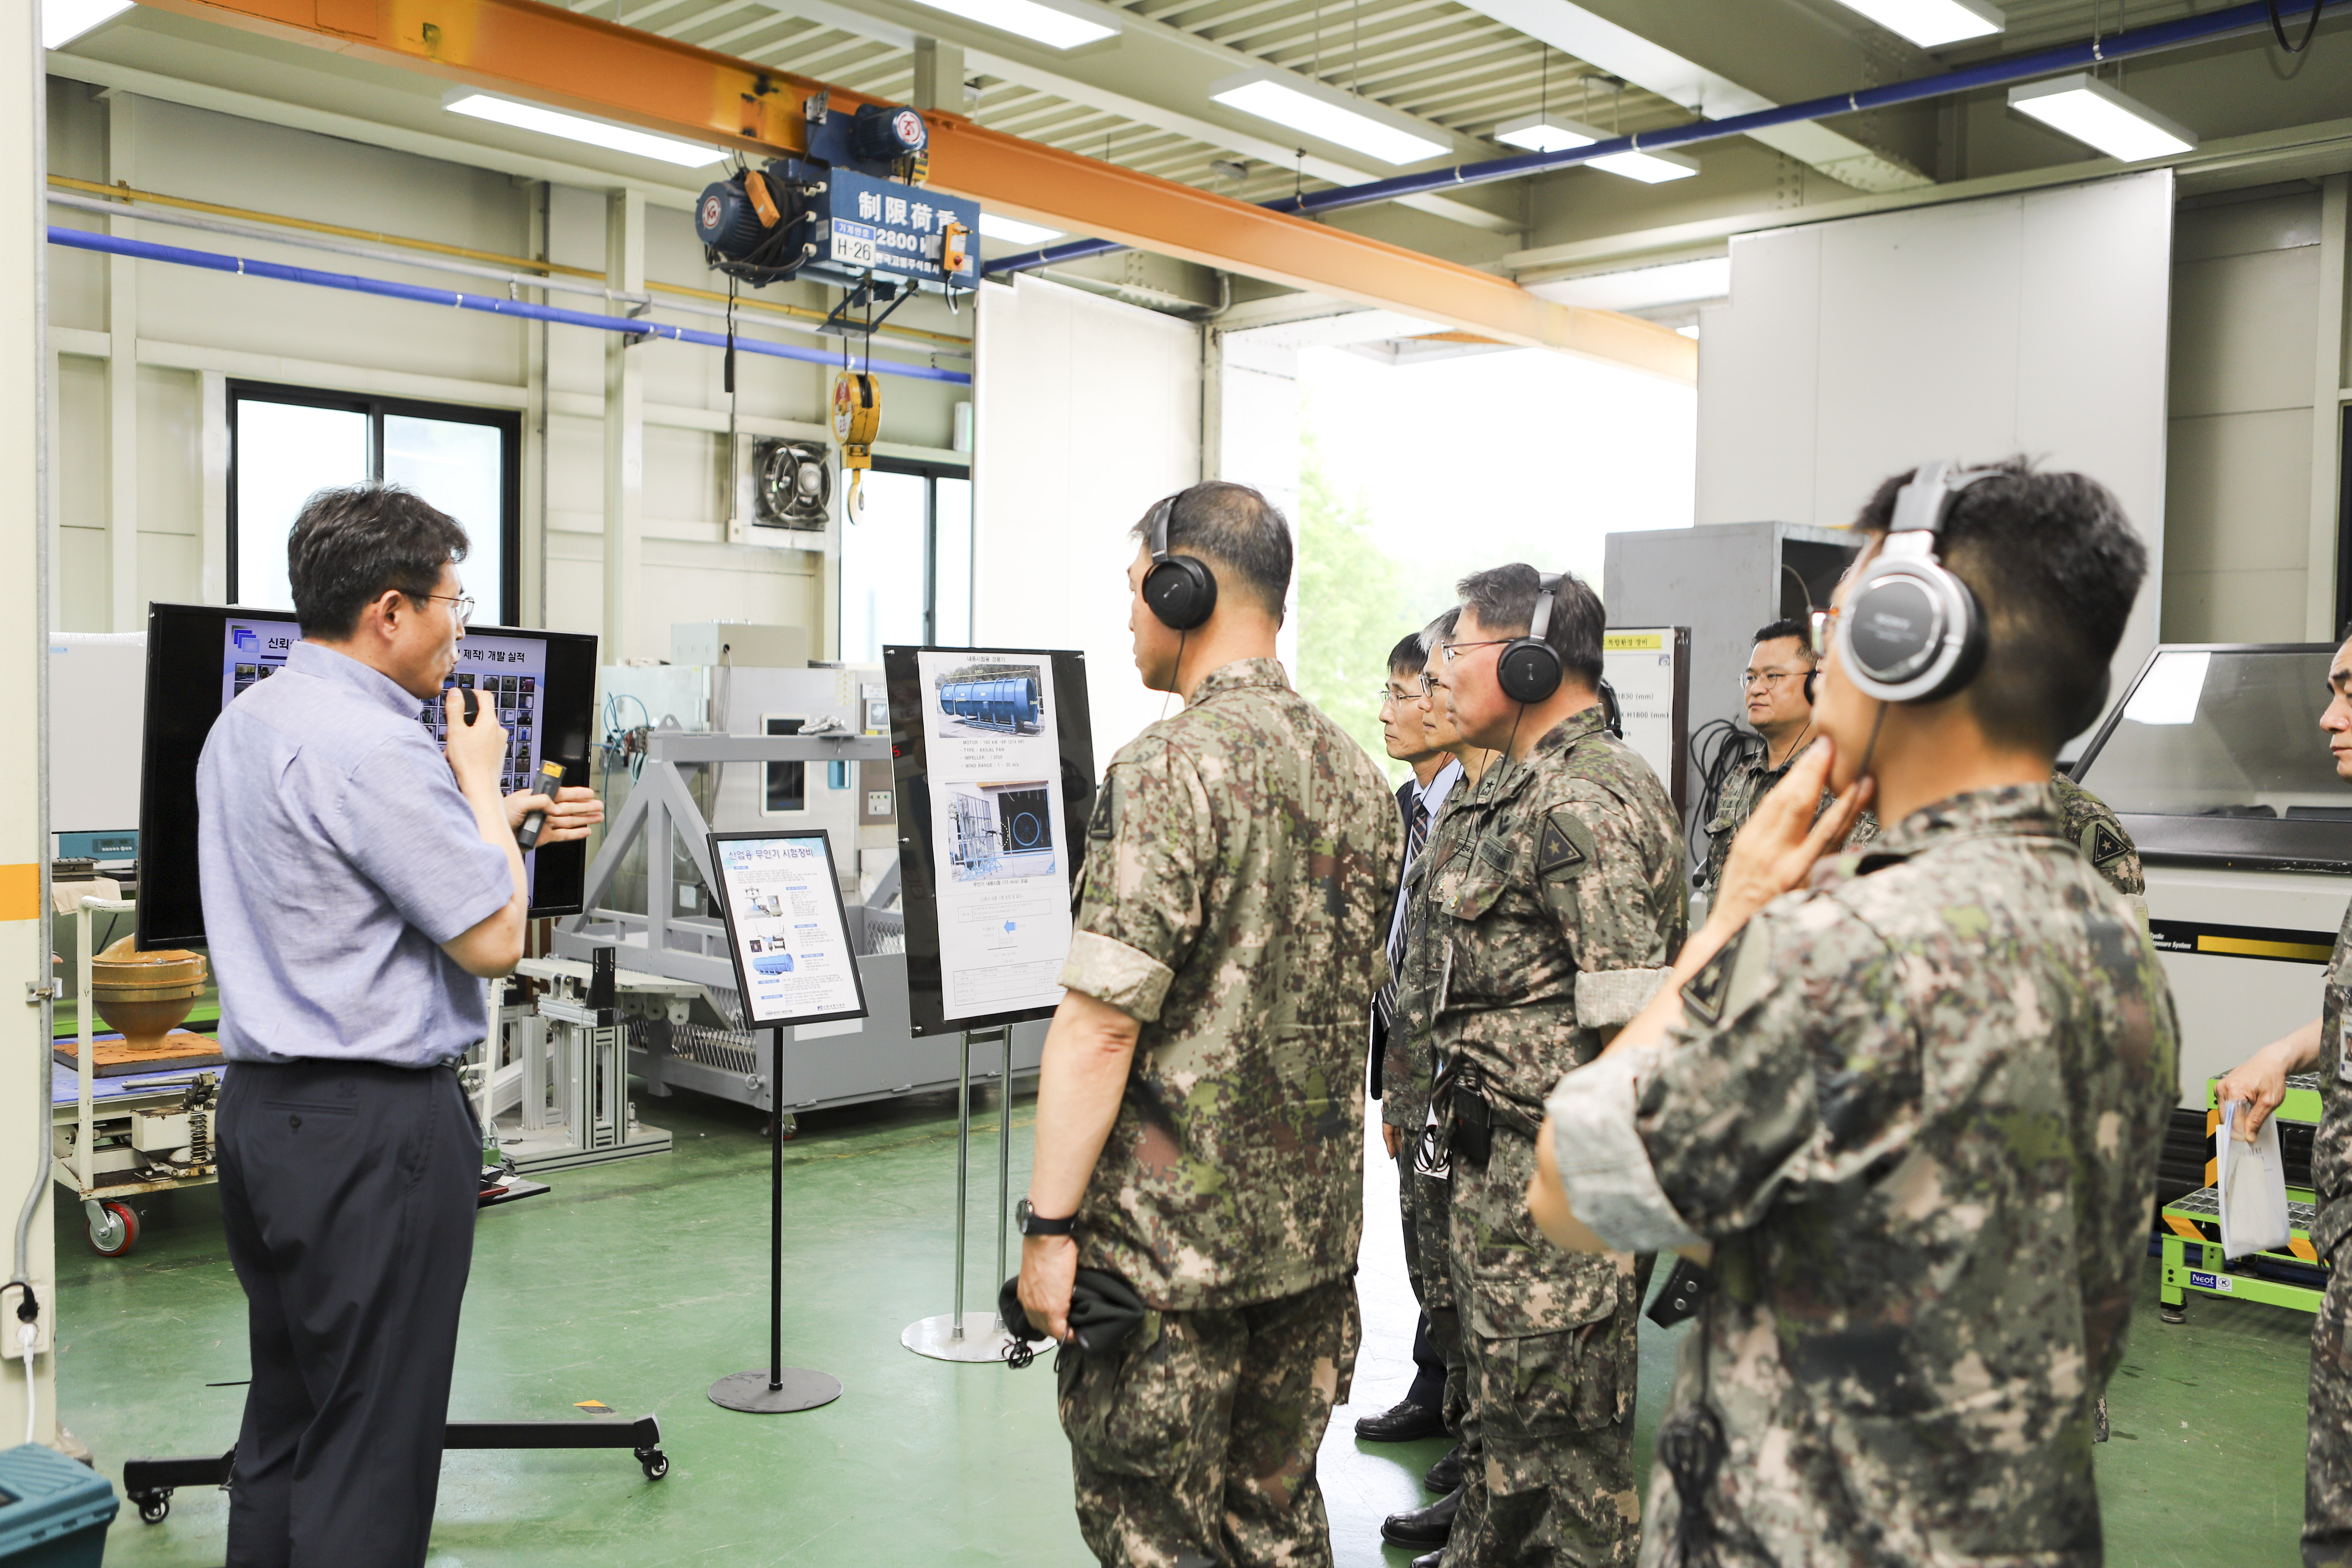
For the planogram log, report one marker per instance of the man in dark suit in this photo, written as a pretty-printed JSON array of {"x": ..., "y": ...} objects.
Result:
[{"x": 1404, "y": 731}]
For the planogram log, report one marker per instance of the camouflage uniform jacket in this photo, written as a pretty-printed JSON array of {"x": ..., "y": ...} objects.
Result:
[
  {"x": 1749, "y": 781},
  {"x": 2331, "y": 1147},
  {"x": 1918, "y": 1107},
  {"x": 1240, "y": 861},
  {"x": 1556, "y": 910},
  {"x": 1410, "y": 1067},
  {"x": 2100, "y": 838}
]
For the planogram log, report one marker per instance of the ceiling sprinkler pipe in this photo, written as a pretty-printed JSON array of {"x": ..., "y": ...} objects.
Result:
[{"x": 2086, "y": 53}]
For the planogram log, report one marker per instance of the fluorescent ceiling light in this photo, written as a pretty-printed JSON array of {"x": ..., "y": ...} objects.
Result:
[
  {"x": 1339, "y": 120},
  {"x": 63, "y": 21},
  {"x": 2092, "y": 112},
  {"x": 1545, "y": 134},
  {"x": 1643, "y": 288},
  {"x": 1650, "y": 168},
  {"x": 580, "y": 128},
  {"x": 1931, "y": 24},
  {"x": 995, "y": 225},
  {"x": 1057, "y": 29}
]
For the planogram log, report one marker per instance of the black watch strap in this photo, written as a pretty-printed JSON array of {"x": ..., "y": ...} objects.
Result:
[{"x": 1031, "y": 1223}]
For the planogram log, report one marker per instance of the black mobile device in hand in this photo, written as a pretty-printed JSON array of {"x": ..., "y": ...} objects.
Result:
[{"x": 473, "y": 703}]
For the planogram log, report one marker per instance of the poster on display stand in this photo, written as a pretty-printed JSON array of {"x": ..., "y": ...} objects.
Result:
[
  {"x": 993, "y": 750},
  {"x": 786, "y": 928}
]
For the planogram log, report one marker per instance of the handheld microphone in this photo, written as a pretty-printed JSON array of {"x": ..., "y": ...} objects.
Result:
[
  {"x": 473, "y": 703},
  {"x": 551, "y": 774}
]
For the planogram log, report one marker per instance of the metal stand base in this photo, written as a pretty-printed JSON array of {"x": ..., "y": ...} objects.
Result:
[
  {"x": 983, "y": 1337},
  {"x": 748, "y": 1391},
  {"x": 554, "y": 1149}
]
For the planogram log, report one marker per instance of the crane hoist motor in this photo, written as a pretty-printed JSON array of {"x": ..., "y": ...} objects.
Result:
[{"x": 853, "y": 212}]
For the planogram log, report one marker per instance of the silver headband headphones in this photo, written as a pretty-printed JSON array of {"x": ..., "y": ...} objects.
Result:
[
  {"x": 1911, "y": 631},
  {"x": 1180, "y": 589}
]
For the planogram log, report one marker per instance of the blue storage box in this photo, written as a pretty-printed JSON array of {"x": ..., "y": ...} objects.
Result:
[{"x": 53, "y": 1511}]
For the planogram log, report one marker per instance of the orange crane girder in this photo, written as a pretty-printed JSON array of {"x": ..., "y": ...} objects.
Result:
[{"x": 560, "y": 59}]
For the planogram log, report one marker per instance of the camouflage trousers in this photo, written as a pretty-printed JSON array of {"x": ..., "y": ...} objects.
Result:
[
  {"x": 1428, "y": 1205},
  {"x": 2328, "y": 1469},
  {"x": 1550, "y": 1397},
  {"x": 1196, "y": 1447}
]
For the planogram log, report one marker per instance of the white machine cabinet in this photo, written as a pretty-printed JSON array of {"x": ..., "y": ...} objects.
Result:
[{"x": 2216, "y": 765}]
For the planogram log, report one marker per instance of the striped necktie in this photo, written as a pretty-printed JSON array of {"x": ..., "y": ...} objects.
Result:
[{"x": 1385, "y": 1002}]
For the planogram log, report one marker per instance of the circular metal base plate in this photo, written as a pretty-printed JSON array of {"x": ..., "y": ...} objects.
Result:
[
  {"x": 983, "y": 1337},
  {"x": 748, "y": 1391}
]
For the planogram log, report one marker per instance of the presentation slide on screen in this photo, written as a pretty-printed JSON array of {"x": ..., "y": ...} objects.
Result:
[
  {"x": 783, "y": 914},
  {"x": 507, "y": 675},
  {"x": 999, "y": 841}
]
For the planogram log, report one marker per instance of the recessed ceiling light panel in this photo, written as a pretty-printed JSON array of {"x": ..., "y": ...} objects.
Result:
[
  {"x": 1931, "y": 24},
  {"x": 1048, "y": 24},
  {"x": 2092, "y": 112},
  {"x": 580, "y": 128},
  {"x": 1339, "y": 118}
]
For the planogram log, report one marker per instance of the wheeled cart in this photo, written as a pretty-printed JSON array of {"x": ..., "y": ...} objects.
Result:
[{"x": 2193, "y": 1264}]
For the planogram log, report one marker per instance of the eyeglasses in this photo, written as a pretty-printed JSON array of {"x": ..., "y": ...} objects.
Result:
[
  {"x": 1429, "y": 687},
  {"x": 1453, "y": 649},
  {"x": 1769, "y": 679},
  {"x": 1391, "y": 698},
  {"x": 463, "y": 604}
]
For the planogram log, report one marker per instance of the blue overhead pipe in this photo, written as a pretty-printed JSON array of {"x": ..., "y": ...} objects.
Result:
[
  {"x": 635, "y": 326},
  {"x": 1967, "y": 78}
]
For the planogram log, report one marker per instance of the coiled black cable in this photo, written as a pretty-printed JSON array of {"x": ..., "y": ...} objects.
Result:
[{"x": 1715, "y": 748}]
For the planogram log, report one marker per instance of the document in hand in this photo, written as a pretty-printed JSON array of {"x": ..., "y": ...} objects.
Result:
[{"x": 2251, "y": 1182}]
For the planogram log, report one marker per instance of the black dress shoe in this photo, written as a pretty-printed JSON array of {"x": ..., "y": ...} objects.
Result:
[
  {"x": 1423, "y": 1527},
  {"x": 1400, "y": 1422},
  {"x": 1445, "y": 1476}
]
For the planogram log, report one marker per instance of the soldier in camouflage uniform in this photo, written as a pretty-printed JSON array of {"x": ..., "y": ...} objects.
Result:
[
  {"x": 1907, "y": 1102},
  {"x": 1773, "y": 690},
  {"x": 2325, "y": 1044},
  {"x": 1555, "y": 911},
  {"x": 1199, "y": 1130},
  {"x": 2100, "y": 840}
]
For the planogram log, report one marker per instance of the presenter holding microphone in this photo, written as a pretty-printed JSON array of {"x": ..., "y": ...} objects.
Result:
[{"x": 358, "y": 887}]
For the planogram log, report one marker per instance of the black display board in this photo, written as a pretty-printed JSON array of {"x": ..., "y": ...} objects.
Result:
[
  {"x": 194, "y": 670},
  {"x": 913, "y": 716},
  {"x": 787, "y": 929}
]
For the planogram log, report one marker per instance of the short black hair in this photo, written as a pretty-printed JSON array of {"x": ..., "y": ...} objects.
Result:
[
  {"x": 350, "y": 546},
  {"x": 1408, "y": 654},
  {"x": 2056, "y": 566},
  {"x": 1504, "y": 598},
  {"x": 1789, "y": 626},
  {"x": 1234, "y": 527}
]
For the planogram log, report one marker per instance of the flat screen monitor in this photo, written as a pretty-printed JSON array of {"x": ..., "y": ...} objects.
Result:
[{"x": 201, "y": 658}]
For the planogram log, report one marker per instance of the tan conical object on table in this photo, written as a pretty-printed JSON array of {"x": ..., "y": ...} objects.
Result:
[{"x": 144, "y": 994}]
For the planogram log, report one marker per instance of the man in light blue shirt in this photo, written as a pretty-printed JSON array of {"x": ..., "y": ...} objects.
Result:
[{"x": 358, "y": 887}]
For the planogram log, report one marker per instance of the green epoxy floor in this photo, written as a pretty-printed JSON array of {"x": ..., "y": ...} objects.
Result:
[{"x": 638, "y": 1284}]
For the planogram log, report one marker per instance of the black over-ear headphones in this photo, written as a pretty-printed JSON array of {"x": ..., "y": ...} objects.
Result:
[
  {"x": 1180, "y": 590},
  {"x": 1911, "y": 631},
  {"x": 1812, "y": 683},
  {"x": 1529, "y": 669}
]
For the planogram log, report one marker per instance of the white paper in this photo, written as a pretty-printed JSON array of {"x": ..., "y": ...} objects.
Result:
[
  {"x": 783, "y": 910},
  {"x": 2250, "y": 1181},
  {"x": 1639, "y": 666},
  {"x": 1000, "y": 846}
]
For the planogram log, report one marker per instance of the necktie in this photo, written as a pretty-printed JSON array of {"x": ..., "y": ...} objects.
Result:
[{"x": 1385, "y": 1002}]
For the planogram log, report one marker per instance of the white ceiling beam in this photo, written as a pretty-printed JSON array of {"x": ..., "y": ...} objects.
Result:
[
  {"x": 986, "y": 52},
  {"x": 1622, "y": 52}
]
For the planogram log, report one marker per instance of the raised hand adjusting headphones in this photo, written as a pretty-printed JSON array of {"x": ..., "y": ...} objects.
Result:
[
  {"x": 1180, "y": 589},
  {"x": 1529, "y": 669},
  {"x": 1911, "y": 631}
]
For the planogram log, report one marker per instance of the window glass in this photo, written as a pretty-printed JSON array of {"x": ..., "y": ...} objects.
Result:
[
  {"x": 460, "y": 469},
  {"x": 951, "y": 563},
  {"x": 786, "y": 785},
  {"x": 884, "y": 565},
  {"x": 286, "y": 452},
  {"x": 2223, "y": 733}
]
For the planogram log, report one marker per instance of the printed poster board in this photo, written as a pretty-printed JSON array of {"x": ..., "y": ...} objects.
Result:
[
  {"x": 1649, "y": 669},
  {"x": 993, "y": 752},
  {"x": 786, "y": 928}
]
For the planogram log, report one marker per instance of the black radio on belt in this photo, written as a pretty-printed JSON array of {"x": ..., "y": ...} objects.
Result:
[{"x": 1474, "y": 1118}]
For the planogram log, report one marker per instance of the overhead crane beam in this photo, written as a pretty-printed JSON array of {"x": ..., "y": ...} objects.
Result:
[{"x": 559, "y": 58}]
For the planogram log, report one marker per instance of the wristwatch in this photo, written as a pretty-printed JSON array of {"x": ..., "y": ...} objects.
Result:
[{"x": 1029, "y": 1221}]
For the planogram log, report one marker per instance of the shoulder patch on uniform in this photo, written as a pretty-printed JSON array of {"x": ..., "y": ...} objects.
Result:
[
  {"x": 1703, "y": 996},
  {"x": 1104, "y": 822},
  {"x": 2104, "y": 844},
  {"x": 1564, "y": 848}
]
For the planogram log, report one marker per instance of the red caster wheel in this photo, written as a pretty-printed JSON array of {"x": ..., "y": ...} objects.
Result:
[{"x": 117, "y": 1233}]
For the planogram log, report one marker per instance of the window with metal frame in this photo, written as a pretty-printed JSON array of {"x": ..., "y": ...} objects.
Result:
[
  {"x": 288, "y": 442},
  {"x": 905, "y": 564}
]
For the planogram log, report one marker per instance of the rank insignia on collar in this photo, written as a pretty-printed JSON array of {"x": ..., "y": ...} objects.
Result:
[
  {"x": 2106, "y": 844},
  {"x": 1565, "y": 847},
  {"x": 1703, "y": 997}
]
